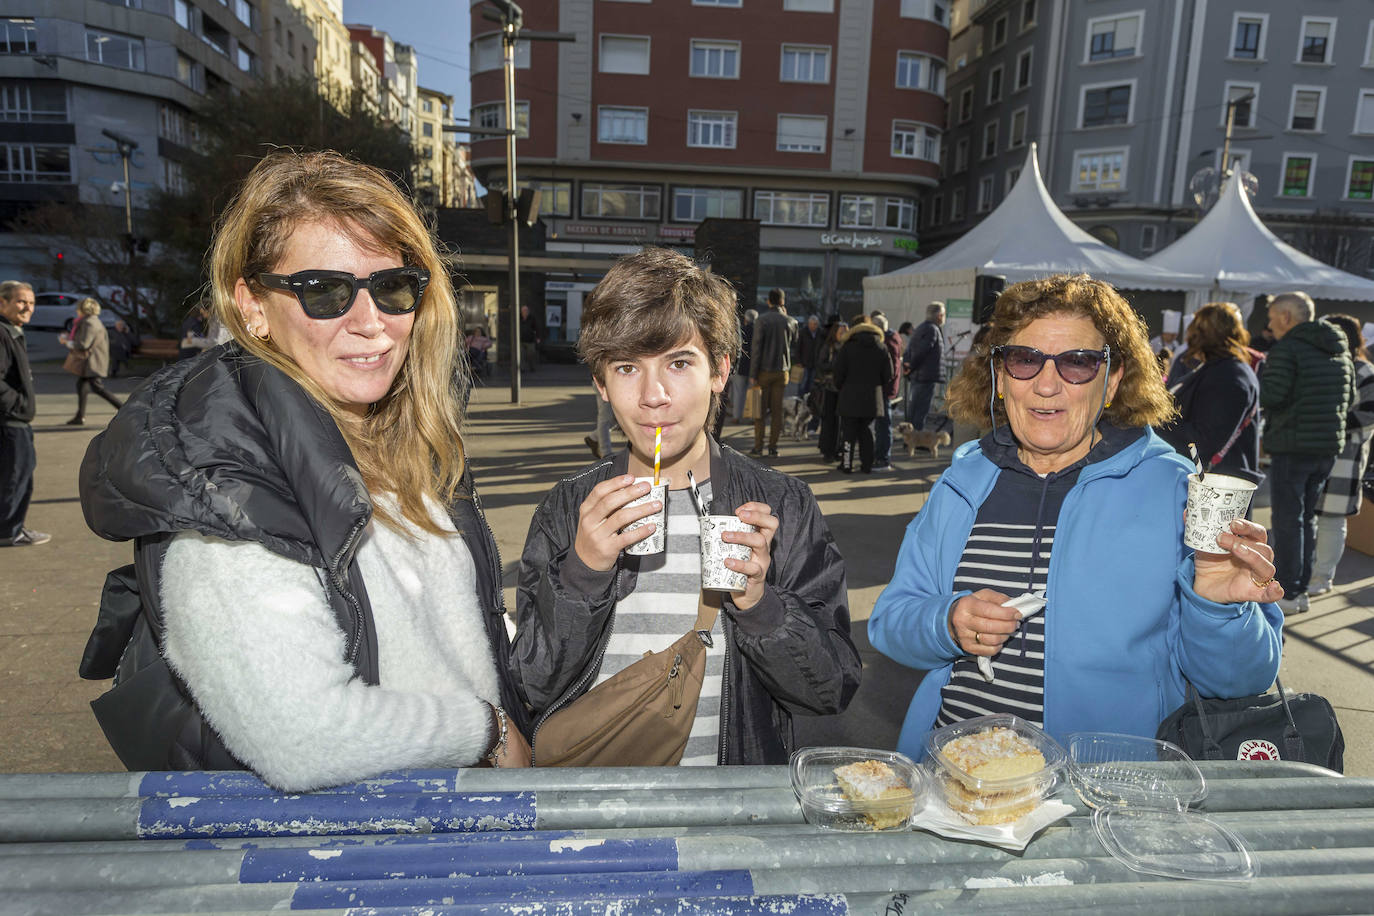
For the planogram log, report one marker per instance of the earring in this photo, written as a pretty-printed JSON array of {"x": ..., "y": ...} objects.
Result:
[
  {"x": 1106, "y": 405},
  {"x": 1001, "y": 396},
  {"x": 265, "y": 336}
]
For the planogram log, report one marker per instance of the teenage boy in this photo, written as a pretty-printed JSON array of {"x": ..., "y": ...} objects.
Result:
[{"x": 660, "y": 334}]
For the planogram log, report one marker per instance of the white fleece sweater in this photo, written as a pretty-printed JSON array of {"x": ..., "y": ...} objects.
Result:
[{"x": 253, "y": 636}]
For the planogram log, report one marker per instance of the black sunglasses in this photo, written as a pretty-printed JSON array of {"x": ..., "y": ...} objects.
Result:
[
  {"x": 330, "y": 293},
  {"x": 1077, "y": 367}
]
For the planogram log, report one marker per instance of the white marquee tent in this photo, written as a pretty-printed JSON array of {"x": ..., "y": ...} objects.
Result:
[{"x": 1240, "y": 258}]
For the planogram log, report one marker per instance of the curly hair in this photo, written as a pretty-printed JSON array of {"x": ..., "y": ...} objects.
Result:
[
  {"x": 1217, "y": 332},
  {"x": 1141, "y": 399}
]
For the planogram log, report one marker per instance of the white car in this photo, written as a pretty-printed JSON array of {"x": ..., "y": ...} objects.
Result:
[{"x": 56, "y": 311}]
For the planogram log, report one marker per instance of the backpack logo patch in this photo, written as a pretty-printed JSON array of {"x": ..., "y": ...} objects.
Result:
[{"x": 1257, "y": 749}]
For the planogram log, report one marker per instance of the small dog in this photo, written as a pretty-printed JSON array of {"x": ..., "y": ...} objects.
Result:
[
  {"x": 922, "y": 438},
  {"x": 795, "y": 416}
]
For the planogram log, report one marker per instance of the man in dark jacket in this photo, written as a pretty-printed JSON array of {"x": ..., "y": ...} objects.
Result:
[
  {"x": 1305, "y": 392},
  {"x": 769, "y": 363},
  {"x": 530, "y": 337},
  {"x": 586, "y": 610},
  {"x": 925, "y": 364},
  {"x": 863, "y": 371},
  {"x": 17, "y": 456},
  {"x": 809, "y": 340}
]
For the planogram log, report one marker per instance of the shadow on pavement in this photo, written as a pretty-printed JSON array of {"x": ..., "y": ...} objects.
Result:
[{"x": 874, "y": 717}]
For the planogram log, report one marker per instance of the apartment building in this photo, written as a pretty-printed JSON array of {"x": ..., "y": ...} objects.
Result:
[
  {"x": 1128, "y": 102},
  {"x": 443, "y": 178},
  {"x": 330, "y": 58},
  {"x": 397, "y": 88},
  {"x": 820, "y": 119}
]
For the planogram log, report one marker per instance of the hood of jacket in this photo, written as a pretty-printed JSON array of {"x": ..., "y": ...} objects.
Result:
[
  {"x": 1319, "y": 334},
  {"x": 864, "y": 333},
  {"x": 229, "y": 446}
]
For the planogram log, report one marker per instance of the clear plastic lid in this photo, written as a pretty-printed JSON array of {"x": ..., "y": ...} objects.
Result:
[
  {"x": 1108, "y": 769},
  {"x": 987, "y": 736},
  {"x": 1174, "y": 844},
  {"x": 896, "y": 788}
]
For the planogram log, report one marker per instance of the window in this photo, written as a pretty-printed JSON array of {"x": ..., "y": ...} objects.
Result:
[
  {"x": 1103, "y": 105},
  {"x": 25, "y": 162},
  {"x": 39, "y": 101},
  {"x": 555, "y": 197},
  {"x": 985, "y": 192},
  {"x": 245, "y": 60},
  {"x": 1244, "y": 111},
  {"x": 809, "y": 6},
  {"x": 1027, "y": 14},
  {"x": 174, "y": 125},
  {"x": 1114, "y": 36},
  {"x": 624, "y": 54},
  {"x": 711, "y": 129},
  {"x": 960, "y": 154},
  {"x": 899, "y": 213},
  {"x": 956, "y": 205},
  {"x": 1099, "y": 170},
  {"x": 909, "y": 67},
  {"x": 1023, "y": 69},
  {"x": 492, "y": 115},
  {"x": 717, "y": 59},
  {"x": 114, "y": 49},
  {"x": 188, "y": 74},
  {"x": 20, "y": 36},
  {"x": 936, "y": 84},
  {"x": 427, "y": 130},
  {"x": 129, "y": 4},
  {"x": 1148, "y": 237},
  {"x": 621, "y": 201},
  {"x": 990, "y": 140},
  {"x": 1360, "y": 184},
  {"x": 243, "y": 11},
  {"x": 692, "y": 205},
  {"x": 1248, "y": 40},
  {"x": 858, "y": 211},
  {"x": 427, "y": 106},
  {"x": 622, "y": 125},
  {"x": 486, "y": 53},
  {"x": 1018, "y": 128},
  {"x": 937, "y": 10},
  {"x": 995, "y": 84},
  {"x": 937, "y": 210},
  {"x": 805, "y": 64},
  {"x": 1297, "y": 175},
  {"x": 181, "y": 12},
  {"x": 1315, "y": 47},
  {"x": 173, "y": 177},
  {"x": 999, "y": 32},
  {"x": 1012, "y": 176},
  {"x": 214, "y": 34},
  {"x": 1369, "y": 56},
  {"x": 966, "y": 105},
  {"x": 716, "y": 2},
  {"x": 1306, "y": 110},
  {"x": 914, "y": 141},
  {"x": 792, "y": 208},
  {"x": 801, "y": 133},
  {"x": 1364, "y": 112}
]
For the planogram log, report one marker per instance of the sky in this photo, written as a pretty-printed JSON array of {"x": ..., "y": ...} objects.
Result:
[{"x": 436, "y": 29}]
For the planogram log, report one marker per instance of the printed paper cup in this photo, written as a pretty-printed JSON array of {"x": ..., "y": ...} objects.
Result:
[
  {"x": 715, "y": 574},
  {"x": 1213, "y": 503},
  {"x": 655, "y": 542}
]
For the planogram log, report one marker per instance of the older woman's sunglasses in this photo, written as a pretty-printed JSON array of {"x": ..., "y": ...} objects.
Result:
[
  {"x": 1077, "y": 367},
  {"x": 330, "y": 293}
]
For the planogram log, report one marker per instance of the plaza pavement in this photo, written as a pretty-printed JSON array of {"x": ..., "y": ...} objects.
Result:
[{"x": 49, "y": 594}]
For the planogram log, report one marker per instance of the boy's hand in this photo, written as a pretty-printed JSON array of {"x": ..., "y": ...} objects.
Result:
[
  {"x": 761, "y": 516},
  {"x": 603, "y": 515}
]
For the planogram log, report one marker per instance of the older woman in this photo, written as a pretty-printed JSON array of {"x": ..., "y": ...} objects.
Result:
[
  {"x": 90, "y": 342},
  {"x": 316, "y": 595},
  {"x": 1218, "y": 400},
  {"x": 1073, "y": 497}
]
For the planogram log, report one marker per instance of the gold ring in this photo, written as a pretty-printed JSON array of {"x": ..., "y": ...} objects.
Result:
[
  {"x": 978, "y": 637},
  {"x": 1259, "y": 584}
]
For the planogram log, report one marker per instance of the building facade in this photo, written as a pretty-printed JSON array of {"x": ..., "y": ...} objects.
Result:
[
  {"x": 1129, "y": 104},
  {"x": 820, "y": 119},
  {"x": 330, "y": 49},
  {"x": 397, "y": 86}
]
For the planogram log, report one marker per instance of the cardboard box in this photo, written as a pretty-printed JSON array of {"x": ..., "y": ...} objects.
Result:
[{"x": 1359, "y": 530}]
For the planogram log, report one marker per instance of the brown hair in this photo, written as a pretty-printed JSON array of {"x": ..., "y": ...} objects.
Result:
[
  {"x": 410, "y": 442},
  {"x": 1216, "y": 332},
  {"x": 652, "y": 301},
  {"x": 1354, "y": 334},
  {"x": 1141, "y": 398}
]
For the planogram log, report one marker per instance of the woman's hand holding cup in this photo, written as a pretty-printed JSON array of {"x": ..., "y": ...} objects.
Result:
[
  {"x": 1244, "y": 573},
  {"x": 602, "y": 517}
]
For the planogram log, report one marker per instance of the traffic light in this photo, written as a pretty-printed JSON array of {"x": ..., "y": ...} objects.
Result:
[{"x": 986, "y": 289}]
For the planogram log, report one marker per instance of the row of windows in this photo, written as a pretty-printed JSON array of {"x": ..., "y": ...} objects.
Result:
[
  {"x": 1016, "y": 138},
  {"x": 31, "y": 163},
  {"x": 1120, "y": 35},
  {"x": 1106, "y": 105},
  {"x": 720, "y": 129},
  {"x": 1021, "y": 79},
  {"x": 812, "y": 209},
  {"x": 937, "y": 10},
  {"x": 115, "y": 49},
  {"x": 36, "y": 101}
]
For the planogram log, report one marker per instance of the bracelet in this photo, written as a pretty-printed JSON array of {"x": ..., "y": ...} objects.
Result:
[{"x": 498, "y": 747}]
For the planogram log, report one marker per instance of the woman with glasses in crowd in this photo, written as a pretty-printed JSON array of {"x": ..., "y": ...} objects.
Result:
[
  {"x": 1070, "y": 496},
  {"x": 316, "y": 595}
]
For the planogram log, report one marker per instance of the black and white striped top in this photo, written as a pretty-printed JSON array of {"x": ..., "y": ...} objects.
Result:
[{"x": 662, "y": 607}]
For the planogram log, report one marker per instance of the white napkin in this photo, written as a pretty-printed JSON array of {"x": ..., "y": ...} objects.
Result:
[
  {"x": 1026, "y": 605},
  {"x": 939, "y": 819}
]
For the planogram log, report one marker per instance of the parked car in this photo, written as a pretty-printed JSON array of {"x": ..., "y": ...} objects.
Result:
[{"x": 54, "y": 311}]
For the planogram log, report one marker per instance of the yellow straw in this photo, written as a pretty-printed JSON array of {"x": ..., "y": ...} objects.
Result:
[{"x": 658, "y": 450}]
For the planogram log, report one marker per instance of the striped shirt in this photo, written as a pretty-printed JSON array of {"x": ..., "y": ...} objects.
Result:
[{"x": 662, "y": 607}]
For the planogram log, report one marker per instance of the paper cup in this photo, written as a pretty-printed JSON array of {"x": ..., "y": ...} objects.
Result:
[
  {"x": 715, "y": 575},
  {"x": 655, "y": 542},
  {"x": 1213, "y": 503}
]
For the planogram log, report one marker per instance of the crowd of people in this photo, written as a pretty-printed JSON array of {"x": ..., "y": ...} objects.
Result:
[{"x": 315, "y": 594}]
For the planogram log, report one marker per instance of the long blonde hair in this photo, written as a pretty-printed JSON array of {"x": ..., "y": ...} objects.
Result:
[{"x": 410, "y": 442}]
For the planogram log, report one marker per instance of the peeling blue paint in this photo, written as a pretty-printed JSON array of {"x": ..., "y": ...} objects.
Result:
[
  {"x": 781, "y": 905},
  {"x": 202, "y": 784}
]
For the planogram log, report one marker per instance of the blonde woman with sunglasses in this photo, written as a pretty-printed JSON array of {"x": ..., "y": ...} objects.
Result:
[
  {"x": 1072, "y": 497},
  {"x": 315, "y": 596}
]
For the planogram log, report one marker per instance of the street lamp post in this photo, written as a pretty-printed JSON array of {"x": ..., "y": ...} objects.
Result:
[
  {"x": 126, "y": 149},
  {"x": 1231, "y": 106}
]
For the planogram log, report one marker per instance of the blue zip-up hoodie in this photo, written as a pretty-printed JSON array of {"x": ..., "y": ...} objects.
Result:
[{"x": 1126, "y": 626}]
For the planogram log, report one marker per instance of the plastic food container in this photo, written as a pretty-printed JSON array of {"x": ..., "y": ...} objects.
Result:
[
  {"x": 824, "y": 803},
  {"x": 1140, "y": 790},
  {"x": 980, "y": 799}
]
